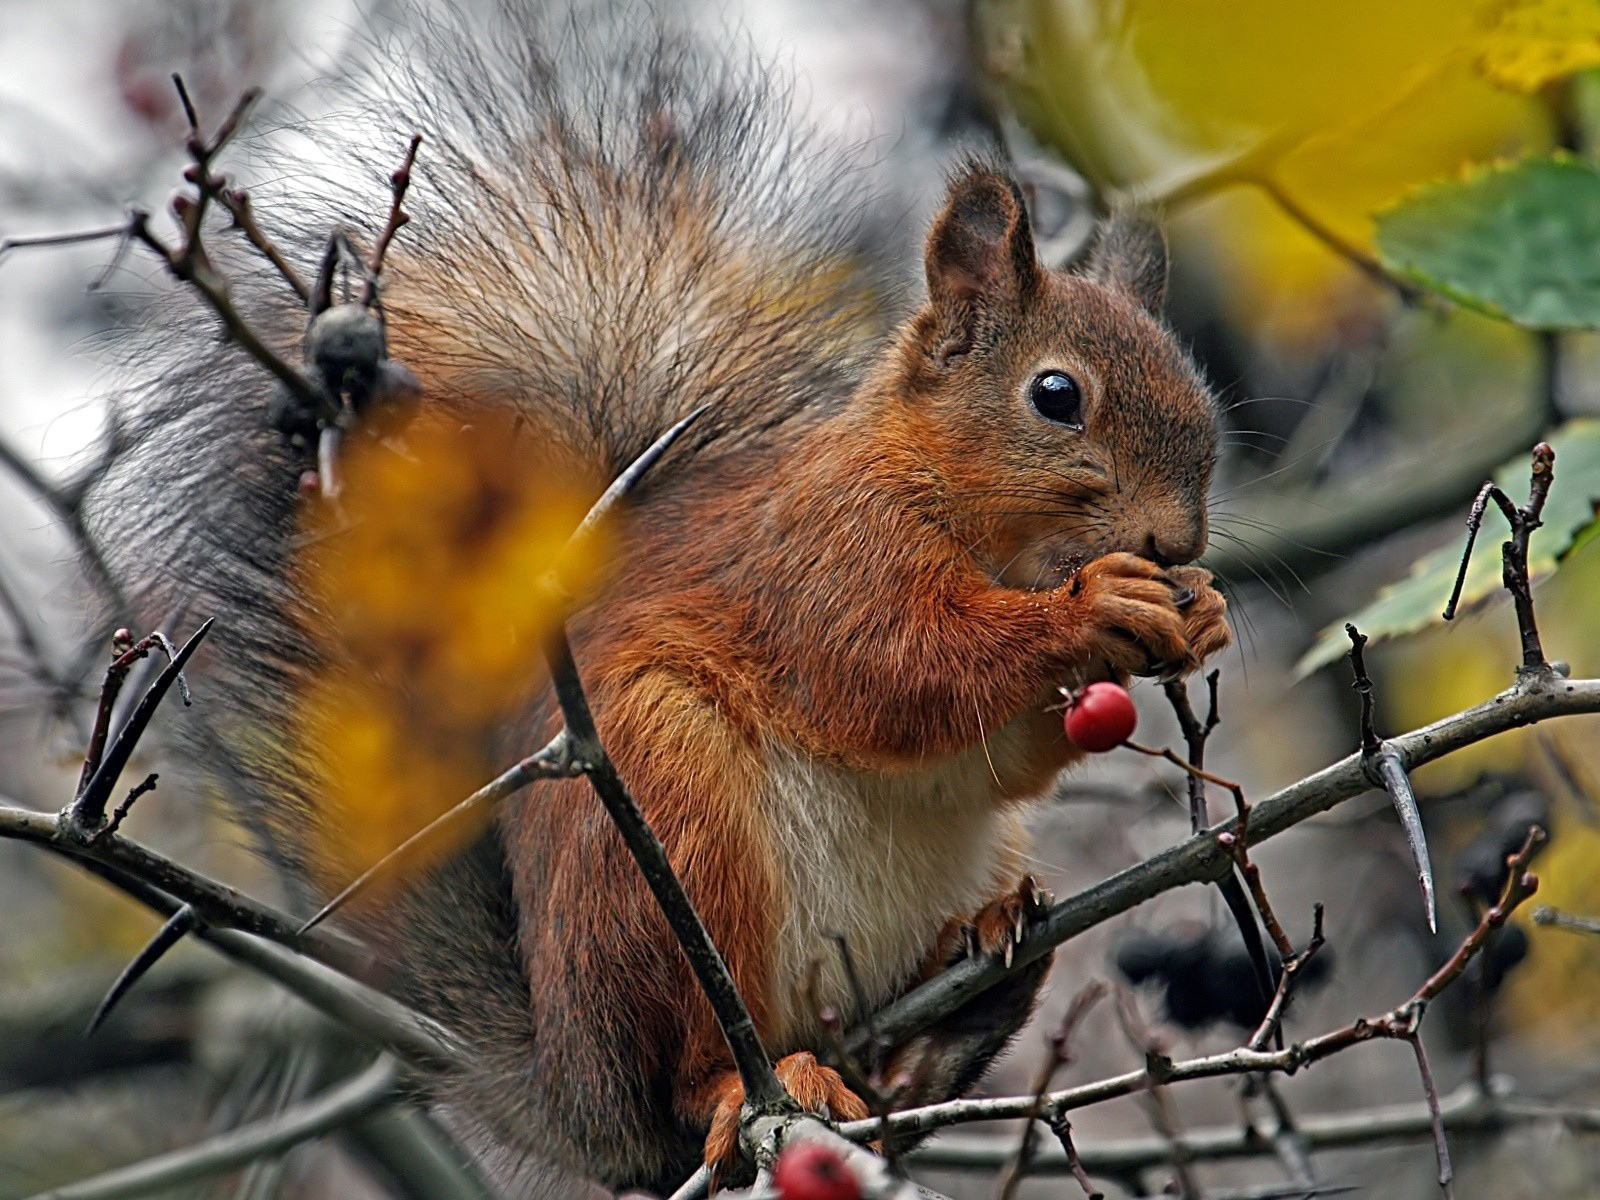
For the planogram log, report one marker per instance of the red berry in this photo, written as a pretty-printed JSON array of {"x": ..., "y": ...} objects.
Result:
[
  {"x": 814, "y": 1171},
  {"x": 1100, "y": 717}
]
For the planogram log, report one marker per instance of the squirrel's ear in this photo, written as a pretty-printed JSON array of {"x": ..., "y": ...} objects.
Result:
[
  {"x": 980, "y": 249},
  {"x": 1130, "y": 255}
]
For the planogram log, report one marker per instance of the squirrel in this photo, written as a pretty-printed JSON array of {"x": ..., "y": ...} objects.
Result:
[{"x": 835, "y": 615}]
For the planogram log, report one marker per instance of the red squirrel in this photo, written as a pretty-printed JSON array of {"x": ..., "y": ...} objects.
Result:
[{"x": 837, "y": 615}]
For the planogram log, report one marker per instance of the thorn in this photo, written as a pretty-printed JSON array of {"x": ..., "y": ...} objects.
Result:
[
  {"x": 182, "y": 922},
  {"x": 1392, "y": 774}
]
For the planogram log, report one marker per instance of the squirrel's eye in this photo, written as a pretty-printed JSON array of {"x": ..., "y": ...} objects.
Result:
[{"x": 1055, "y": 397}]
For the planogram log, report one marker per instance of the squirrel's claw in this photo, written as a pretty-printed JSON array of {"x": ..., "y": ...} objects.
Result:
[{"x": 999, "y": 927}]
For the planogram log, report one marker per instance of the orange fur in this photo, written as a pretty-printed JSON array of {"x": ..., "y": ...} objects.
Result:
[{"x": 851, "y": 614}]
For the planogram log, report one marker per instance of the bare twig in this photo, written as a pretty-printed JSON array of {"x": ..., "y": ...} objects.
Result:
[
  {"x": 1159, "y": 1107},
  {"x": 30, "y": 640},
  {"x": 555, "y": 761},
  {"x": 1441, "y": 1148},
  {"x": 1545, "y": 915},
  {"x": 84, "y": 818},
  {"x": 1237, "y": 846},
  {"x": 1514, "y": 551},
  {"x": 1059, "y": 1056},
  {"x": 1469, "y": 1110},
  {"x": 1272, "y": 1019},
  {"x": 73, "y": 237},
  {"x": 1062, "y": 1128},
  {"x": 237, "y": 202},
  {"x": 143, "y": 788},
  {"x": 1408, "y": 291},
  {"x": 1291, "y": 1148},
  {"x": 66, "y": 504},
  {"x": 1480, "y": 503},
  {"x": 399, "y": 184},
  {"x": 1363, "y": 685},
  {"x": 1195, "y": 736},
  {"x": 1398, "y": 1024}
]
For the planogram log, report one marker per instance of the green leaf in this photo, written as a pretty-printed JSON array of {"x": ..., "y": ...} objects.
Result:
[
  {"x": 1417, "y": 601},
  {"x": 1520, "y": 242}
]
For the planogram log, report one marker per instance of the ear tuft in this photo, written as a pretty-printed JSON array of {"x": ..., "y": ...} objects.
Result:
[
  {"x": 980, "y": 250},
  {"x": 1130, "y": 255}
]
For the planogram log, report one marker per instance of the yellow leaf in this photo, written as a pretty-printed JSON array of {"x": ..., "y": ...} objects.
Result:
[
  {"x": 1531, "y": 43},
  {"x": 426, "y": 605},
  {"x": 1358, "y": 104}
]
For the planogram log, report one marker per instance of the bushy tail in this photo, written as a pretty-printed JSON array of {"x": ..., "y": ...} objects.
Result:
[{"x": 609, "y": 228}]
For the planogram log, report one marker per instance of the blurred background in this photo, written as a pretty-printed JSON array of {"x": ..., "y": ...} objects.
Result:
[{"x": 1384, "y": 221}]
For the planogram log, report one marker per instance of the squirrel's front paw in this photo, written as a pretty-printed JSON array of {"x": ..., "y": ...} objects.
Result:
[
  {"x": 816, "y": 1088},
  {"x": 998, "y": 927},
  {"x": 1130, "y": 607},
  {"x": 1205, "y": 612}
]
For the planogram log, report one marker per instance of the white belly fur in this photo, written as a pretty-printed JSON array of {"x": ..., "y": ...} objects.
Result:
[{"x": 885, "y": 859}]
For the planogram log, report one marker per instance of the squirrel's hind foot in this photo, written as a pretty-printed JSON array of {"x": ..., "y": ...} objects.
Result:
[{"x": 816, "y": 1088}]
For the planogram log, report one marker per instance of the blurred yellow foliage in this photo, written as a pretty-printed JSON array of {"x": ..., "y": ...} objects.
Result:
[
  {"x": 1532, "y": 43},
  {"x": 1346, "y": 106},
  {"x": 424, "y": 585},
  {"x": 1560, "y": 989}
]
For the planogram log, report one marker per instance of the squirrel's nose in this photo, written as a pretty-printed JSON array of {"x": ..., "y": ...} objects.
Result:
[{"x": 1168, "y": 549}]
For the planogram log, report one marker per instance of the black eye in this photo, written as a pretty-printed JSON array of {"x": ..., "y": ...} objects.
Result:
[{"x": 1055, "y": 396}]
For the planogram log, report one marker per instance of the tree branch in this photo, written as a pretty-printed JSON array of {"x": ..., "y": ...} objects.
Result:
[
  {"x": 381, "y": 1019},
  {"x": 365, "y": 1093},
  {"x": 215, "y": 903},
  {"x": 1203, "y": 859},
  {"x": 762, "y": 1090},
  {"x": 1468, "y": 1110}
]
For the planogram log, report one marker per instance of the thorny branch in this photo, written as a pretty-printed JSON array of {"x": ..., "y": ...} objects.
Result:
[
  {"x": 1399, "y": 1023},
  {"x": 214, "y": 902},
  {"x": 1202, "y": 858},
  {"x": 364, "y": 1011},
  {"x": 1539, "y": 693}
]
